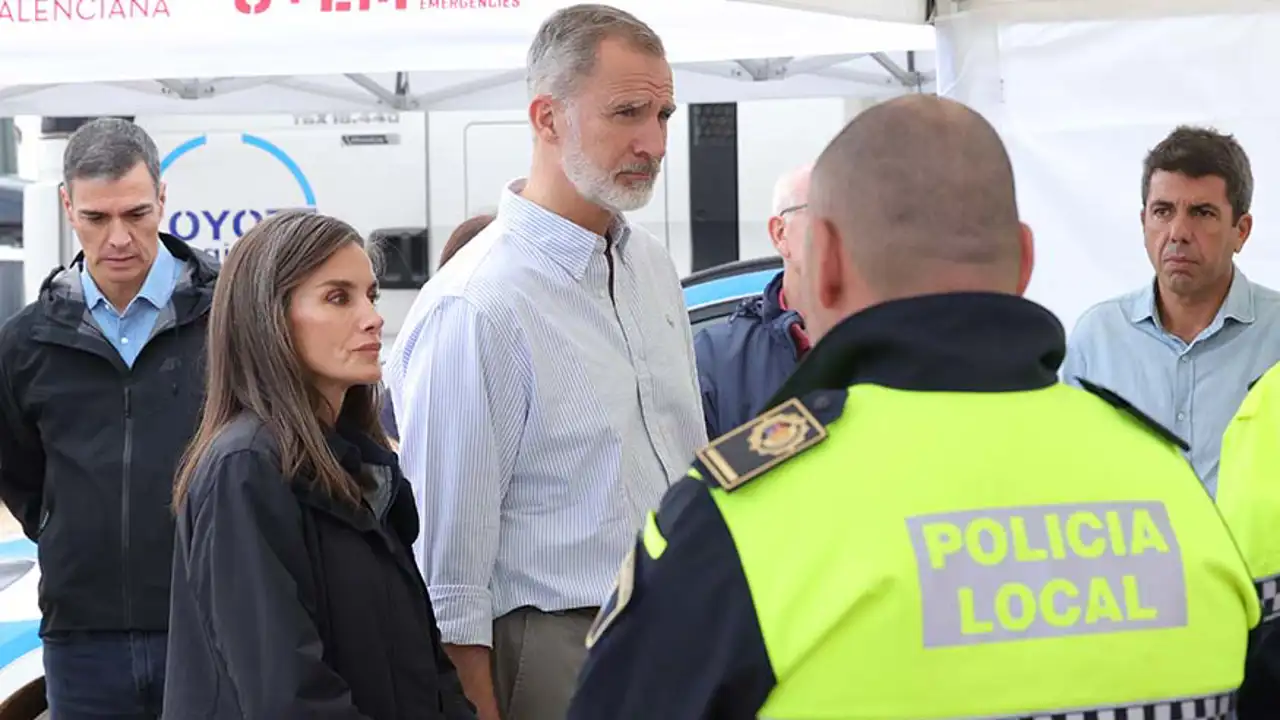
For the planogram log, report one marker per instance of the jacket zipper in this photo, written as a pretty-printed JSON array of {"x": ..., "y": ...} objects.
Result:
[{"x": 124, "y": 505}]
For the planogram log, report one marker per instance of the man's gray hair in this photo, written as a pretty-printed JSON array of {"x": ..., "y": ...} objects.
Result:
[
  {"x": 107, "y": 149},
  {"x": 564, "y": 50},
  {"x": 784, "y": 190}
]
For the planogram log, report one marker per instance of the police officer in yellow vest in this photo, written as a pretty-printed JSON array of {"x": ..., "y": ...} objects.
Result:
[
  {"x": 927, "y": 524},
  {"x": 1249, "y": 498}
]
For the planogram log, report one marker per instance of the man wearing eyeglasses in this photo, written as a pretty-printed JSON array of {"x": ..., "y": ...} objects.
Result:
[{"x": 743, "y": 361}]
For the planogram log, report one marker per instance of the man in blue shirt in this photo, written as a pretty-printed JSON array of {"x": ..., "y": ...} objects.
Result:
[
  {"x": 101, "y": 383},
  {"x": 743, "y": 361},
  {"x": 1185, "y": 347}
]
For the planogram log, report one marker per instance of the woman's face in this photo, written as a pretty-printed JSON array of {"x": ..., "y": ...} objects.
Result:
[{"x": 336, "y": 327}]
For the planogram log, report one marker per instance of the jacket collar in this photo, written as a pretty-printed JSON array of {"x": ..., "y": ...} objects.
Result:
[
  {"x": 957, "y": 342},
  {"x": 156, "y": 289},
  {"x": 767, "y": 306},
  {"x": 771, "y": 300},
  {"x": 386, "y": 501},
  {"x": 63, "y": 300}
]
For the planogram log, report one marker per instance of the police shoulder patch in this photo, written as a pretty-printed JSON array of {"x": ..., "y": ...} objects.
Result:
[
  {"x": 1151, "y": 424},
  {"x": 750, "y": 450},
  {"x": 623, "y": 588}
]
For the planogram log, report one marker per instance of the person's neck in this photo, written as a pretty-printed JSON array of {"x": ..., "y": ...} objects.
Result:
[
  {"x": 789, "y": 293},
  {"x": 550, "y": 189},
  {"x": 1185, "y": 317},
  {"x": 119, "y": 294},
  {"x": 332, "y": 397}
]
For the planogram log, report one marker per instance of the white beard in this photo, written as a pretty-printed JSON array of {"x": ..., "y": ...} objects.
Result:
[{"x": 600, "y": 186}]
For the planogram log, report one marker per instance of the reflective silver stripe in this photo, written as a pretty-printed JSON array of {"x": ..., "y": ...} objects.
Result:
[
  {"x": 1212, "y": 707},
  {"x": 1269, "y": 597},
  {"x": 1014, "y": 573}
]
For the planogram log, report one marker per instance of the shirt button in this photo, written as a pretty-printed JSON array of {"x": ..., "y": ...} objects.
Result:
[
  {"x": 1183, "y": 358},
  {"x": 1182, "y": 416},
  {"x": 124, "y": 341}
]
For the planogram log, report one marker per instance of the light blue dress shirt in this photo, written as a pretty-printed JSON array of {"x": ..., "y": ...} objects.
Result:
[
  {"x": 1195, "y": 388},
  {"x": 129, "y": 331},
  {"x": 540, "y": 419}
]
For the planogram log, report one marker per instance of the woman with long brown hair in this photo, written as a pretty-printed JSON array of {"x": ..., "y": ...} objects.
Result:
[{"x": 294, "y": 591}]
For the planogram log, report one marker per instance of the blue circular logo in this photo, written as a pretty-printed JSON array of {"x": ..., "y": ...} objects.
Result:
[{"x": 218, "y": 228}]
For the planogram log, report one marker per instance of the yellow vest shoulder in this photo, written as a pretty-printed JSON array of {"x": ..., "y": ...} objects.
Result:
[{"x": 1267, "y": 384}]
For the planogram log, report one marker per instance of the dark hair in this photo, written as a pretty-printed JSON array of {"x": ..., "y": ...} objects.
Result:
[
  {"x": 109, "y": 148},
  {"x": 1200, "y": 152},
  {"x": 462, "y": 235},
  {"x": 253, "y": 364}
]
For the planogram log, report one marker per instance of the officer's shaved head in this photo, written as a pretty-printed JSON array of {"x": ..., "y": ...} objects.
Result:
[{"x": 919, "y": 192}]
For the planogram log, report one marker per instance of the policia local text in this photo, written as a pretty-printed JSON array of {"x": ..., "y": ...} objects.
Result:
[{"x": 1047, "y": 570}]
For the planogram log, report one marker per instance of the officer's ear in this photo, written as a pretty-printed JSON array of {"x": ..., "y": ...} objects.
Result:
[
  {"x": 1027, "y": 259},
  {"x": 827, "y": 257}
]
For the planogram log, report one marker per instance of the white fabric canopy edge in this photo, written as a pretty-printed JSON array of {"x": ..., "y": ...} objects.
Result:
[
  {"x": 915, "y": 11},
  {"x": 308, "y": 62},
  {"x": 213, "y": 43},
  {"x": 879, "y": 75}
]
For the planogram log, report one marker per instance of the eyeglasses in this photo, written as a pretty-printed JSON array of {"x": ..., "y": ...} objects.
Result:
[{"x": 794, "y": 208}]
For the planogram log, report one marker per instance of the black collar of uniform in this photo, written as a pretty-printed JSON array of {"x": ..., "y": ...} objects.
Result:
[{"x": 956, "y": 342}]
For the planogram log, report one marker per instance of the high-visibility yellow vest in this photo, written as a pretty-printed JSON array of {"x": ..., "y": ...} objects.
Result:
[
  {"x": 989, "y": 555},
  {"x": 1249, "y": 484},
  {"x": 1249, "y": 499}
]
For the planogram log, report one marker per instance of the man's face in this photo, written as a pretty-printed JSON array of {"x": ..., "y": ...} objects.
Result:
[
  {"x": 617, "y": 127},
  {"x": 118, "y": 223},
  {"x": 1191, "y": 236},
  {"x": 788, "y": 227}
]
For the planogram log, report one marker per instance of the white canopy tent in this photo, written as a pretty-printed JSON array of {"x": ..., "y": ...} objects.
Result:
[
  {"x": 206, "y": 56},
  {"x": 1080, "y": 90}
]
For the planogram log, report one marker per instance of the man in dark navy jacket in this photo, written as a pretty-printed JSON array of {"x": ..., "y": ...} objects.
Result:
[
  {"x": 101, "y": 385},
  {"x": 743, "y": 361}
]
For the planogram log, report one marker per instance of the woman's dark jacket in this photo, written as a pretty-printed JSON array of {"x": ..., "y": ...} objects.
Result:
[{"x": 288, "y": 605}]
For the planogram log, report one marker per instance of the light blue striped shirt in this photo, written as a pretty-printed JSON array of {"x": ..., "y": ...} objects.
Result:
[
  {"x": 538, "y": 420},
  {"x": 1195, "y": 388}
]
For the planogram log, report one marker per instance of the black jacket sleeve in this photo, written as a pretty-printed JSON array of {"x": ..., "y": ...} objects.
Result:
[
  {"x": 247, "y": 569},
  {"x": 686, "y": 645},
  {"x": 404, "y": 522},
  {"x": 21, "y": 459},
  {"x": 1259, "y": 697}
]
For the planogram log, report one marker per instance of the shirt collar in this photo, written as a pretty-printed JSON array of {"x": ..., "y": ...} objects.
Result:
[
  {"x": 156, "y": 289},
  {"x": 1237, "y": 306},
  {"x": 570, "y": 245}
]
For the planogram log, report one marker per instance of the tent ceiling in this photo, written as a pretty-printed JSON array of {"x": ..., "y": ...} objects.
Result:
[
  {"x": 873, "y": 75},
  {"x": 292, "y": 57}
]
